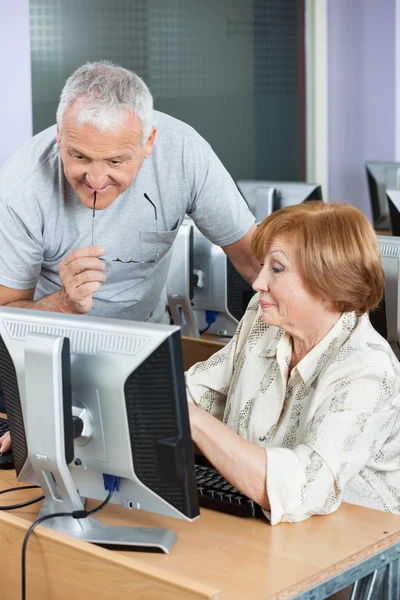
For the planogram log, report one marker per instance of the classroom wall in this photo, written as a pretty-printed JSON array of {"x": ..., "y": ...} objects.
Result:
[
  {"x": 15, "y": 68},
  {"x": 361, "y": 93},
  {"x": 362, "y": 86}
]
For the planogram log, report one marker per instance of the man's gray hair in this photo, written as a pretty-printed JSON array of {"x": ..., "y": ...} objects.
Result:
[{"x": 107, "y": 93}]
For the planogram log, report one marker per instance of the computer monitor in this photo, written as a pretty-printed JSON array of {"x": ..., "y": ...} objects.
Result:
[
  {"x": 260, "y": 196},
  {"x": 386, "y": 318},
  {"x": 264, "y": 197},
  {"x": 181, "y": 280},
  {"x": 381, "y": 175},
  {"x": 220, "y": 288},
  {"x": 202, "y": 280},
  {"x": 89, "y": 397},
  {"x": 393, "y": 199}
]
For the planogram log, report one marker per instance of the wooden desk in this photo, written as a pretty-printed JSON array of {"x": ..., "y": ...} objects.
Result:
[
  {"x": 383, "y": 232},
  {"x": 217, "y": 556},
  {"x": 198, "y": 349}
]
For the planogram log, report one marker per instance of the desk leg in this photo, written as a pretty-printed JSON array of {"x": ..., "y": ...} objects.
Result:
[
  {"x": 393, "y": 580},
  {"x": 365, "y": 588},
  {"x": 382, "y": 584}
]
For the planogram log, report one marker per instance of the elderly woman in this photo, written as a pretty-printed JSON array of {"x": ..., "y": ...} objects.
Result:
[{"x": 301, "y": 409}]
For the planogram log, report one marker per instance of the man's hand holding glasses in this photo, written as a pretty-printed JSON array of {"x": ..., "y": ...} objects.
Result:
[
  {"x": 81, "y": 271},
  {"x": 81, "y": 274}
]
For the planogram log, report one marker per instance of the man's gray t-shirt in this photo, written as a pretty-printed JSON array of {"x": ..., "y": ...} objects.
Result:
[{"x": 42, "y": 219}]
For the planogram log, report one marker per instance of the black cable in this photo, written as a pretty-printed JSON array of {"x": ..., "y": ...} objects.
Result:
[
  {"x": 76, "y": 514},
  {"x": 102, "y": 505},
  {"x": 205, "y": 329},
  {"x": 22, "y": 504},
  {"x": 22, "y": 487}
]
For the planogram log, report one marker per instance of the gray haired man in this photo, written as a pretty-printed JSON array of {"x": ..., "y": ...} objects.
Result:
[{"x": 145, "y": 171}]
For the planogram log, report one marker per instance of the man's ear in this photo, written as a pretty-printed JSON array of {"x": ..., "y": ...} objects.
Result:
[
  {"x": 58, "y": 136},
  {"x": 150, "y": 141}
]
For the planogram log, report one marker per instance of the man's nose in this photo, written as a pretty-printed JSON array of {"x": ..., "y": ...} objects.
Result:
[{"x": 96, "y": 176}]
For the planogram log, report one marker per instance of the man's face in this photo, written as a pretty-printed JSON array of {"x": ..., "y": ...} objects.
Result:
[{"x": 105, "y": 162}]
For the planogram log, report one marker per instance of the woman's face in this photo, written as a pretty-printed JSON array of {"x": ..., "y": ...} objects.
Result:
[{"x": 284, "y": 300}]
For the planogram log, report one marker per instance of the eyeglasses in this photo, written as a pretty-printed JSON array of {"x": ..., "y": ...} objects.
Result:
[
  {"x": 131, "y": 260},
  {"x": 93, "y": 216}
]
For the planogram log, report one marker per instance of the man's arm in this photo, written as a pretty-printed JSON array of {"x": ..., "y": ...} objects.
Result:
[
  {"x": 81, "y": 274},
  {"x": 239, "y": 253},
  {"x": 24, "y": 299}
]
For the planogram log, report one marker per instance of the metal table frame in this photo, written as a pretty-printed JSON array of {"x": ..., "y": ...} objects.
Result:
[{"x": 376, "y": 578}]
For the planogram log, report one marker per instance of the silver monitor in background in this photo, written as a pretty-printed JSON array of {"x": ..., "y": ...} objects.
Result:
[
  {"x": 261, "y": 197},
  {"x": 264, "y": 197},
  {"x": 381, "y": 175},
  {"x": 386, "y": 318},
  {"x": 220, "y": 288},
  {"x": 393, "y": 199},
  {"x": 202, "y": 281},
  {"x": 89, "y": 399},
  {"x": 181, "y": 280}
]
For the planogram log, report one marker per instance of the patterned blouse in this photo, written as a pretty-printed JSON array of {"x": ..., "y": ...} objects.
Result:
[{"x": 330, "y": 429}]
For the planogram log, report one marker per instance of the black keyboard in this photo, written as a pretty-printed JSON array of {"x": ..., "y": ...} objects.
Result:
[{"x": 217, "y": 493}]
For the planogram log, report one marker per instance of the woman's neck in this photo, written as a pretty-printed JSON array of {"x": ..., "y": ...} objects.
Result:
[{"x": 304, "y": 341}]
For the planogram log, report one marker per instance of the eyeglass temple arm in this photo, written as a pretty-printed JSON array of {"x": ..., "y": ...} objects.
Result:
[{"x": 152, "y": 203}]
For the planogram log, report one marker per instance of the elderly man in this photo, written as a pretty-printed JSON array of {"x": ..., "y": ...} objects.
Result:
[
  {"x": 140, "y": 172},
  {"x": 89, "y": 208}
]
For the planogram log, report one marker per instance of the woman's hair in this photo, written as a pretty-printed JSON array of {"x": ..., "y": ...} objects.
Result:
[
  {"x": 337, "y": 250},
  {"x": 107, "y": 92}
]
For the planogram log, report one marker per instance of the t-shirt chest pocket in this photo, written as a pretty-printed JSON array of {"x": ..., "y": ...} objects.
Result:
[{"x": 153, "y": 245}]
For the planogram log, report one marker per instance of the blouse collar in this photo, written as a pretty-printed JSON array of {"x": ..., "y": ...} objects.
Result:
[{"x": 314, "y": 361}]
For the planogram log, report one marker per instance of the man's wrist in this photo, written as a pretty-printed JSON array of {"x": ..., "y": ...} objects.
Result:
[{"x": 64, "y": 306}]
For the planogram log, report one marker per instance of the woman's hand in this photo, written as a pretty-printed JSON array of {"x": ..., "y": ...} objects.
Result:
[{"x": 5, "y": 442}]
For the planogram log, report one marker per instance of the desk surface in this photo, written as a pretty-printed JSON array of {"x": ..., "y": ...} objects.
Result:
[{"x": 242, "y": 558}]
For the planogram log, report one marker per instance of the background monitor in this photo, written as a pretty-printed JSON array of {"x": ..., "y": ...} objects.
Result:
[
  {"x": 204, "y": 289},
  {"x": 181, "y": 280},
  {"x": 264, "y": 197},
  {"x": 220, "y": 288},
  {"x": 89, "y": 397},
  {"x": 381, "y": 176},
  {"x": 386, "y": 318},
  {"x": 393, "y": 199}
]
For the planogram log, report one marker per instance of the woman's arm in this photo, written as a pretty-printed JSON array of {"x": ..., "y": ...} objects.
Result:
[
  {"x": 208, "y": 382},
  {"x": 242, "y": 463}
]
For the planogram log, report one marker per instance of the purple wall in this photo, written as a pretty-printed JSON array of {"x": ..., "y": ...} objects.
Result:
[
  {"x": 361, "y": 93},
  {"x": 15, "y": 68}
]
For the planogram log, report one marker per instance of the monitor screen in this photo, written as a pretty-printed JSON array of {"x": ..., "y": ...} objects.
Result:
[
  {"x": 393, "y": 199},
  {"x": 89, "y": 397},
  {"x": 264, "y": 197},
  {"x": 381, "y": 176},
  {"x": 386, "y": 318}
]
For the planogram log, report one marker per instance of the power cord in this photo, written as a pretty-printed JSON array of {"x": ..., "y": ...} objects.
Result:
[
  {"x": 77, "y": 514},
  {"x": 22, "y": 504},
  {"x": 111, "y": 483}
]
